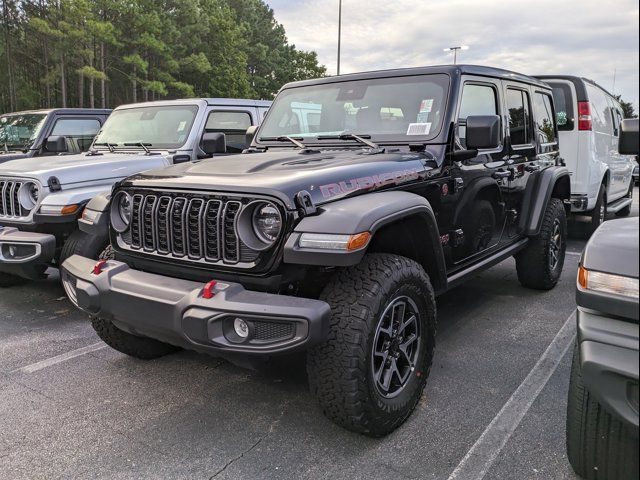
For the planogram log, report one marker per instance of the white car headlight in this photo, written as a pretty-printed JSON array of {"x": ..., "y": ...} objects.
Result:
[
  {"x": 28, "y": 195},
  {"x": 607, "y": 283}
]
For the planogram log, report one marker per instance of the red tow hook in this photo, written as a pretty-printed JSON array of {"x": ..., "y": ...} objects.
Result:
[
  {"x": 207, "y": 291},
  {"x": 97, "y": 268}
]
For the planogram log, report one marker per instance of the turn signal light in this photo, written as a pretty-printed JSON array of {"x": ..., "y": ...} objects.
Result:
[
  {"x": 582, "y": 277},
  {"x": 356, "y": 242}
]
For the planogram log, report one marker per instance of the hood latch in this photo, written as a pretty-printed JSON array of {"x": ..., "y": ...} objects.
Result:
[{"x": 305, "y": 204}]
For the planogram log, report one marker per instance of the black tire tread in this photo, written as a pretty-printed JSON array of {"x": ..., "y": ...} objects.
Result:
[
  {"x": 599, "y": 446},
  {"x": 338, "y": 368},
  {"x": 531, "y": 264}
]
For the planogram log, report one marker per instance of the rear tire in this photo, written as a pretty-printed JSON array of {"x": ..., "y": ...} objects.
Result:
[
  {"x": 599, "y": 213},
  {"x": 369, "y": 374},
  {"x": 624, "y": 212},
  {"x": 540, "y": 264},
  {"x": 599, "y": 446},
  {"x": 139, "y": 347}
]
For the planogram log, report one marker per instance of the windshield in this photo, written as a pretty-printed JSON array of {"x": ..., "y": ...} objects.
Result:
[
  {"x": 163, "y": 127},
  {"x": 20, "y": 131},
  {"x": 386, "y": 109}
]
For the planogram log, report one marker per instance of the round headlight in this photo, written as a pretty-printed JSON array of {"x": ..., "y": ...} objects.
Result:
[
  {"x": 267, "y": 222},
  {"x": 121, "y": 208},
  {"x": 28, "y": 195}
]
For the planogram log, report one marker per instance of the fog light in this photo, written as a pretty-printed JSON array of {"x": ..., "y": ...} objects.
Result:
[{"x": 241, "y": 328}]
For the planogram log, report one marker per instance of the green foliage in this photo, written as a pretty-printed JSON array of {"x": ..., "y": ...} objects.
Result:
[
  {"x": 627, "y": 108},
  {"x": 109, "y": 52}
]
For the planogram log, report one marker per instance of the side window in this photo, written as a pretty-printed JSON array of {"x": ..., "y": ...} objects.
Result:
[
  {"x": 563, "y": 101},
  {"x": 476, "y": 100},
  {"x": 233, "y": 124},
  {"x": 600, "y": 110},
  {"x": 545, "y": 129},
  {"x": 518, "y": 106},
  {"x": 78, "y": 130},
  {"x": 617, "y": 119}
]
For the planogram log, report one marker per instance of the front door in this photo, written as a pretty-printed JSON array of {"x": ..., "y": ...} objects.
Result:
[{"x": 479, "y": 218}]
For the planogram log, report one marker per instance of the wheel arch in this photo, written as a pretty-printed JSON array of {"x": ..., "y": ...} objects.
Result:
[
  {"x": 399, "y": 222},
  {"x": 553, "y": 182}
]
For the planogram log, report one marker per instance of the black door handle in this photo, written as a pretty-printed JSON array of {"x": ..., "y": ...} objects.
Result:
[{"x": 501, "y": 174}]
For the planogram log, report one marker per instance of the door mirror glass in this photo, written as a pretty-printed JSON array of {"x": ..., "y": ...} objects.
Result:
[
  {"x": 483, "y": 132},
  {"x": 628, "y": 143},
  {"x": 213, "y": 143},
  {"x": 56, "y": 144}
]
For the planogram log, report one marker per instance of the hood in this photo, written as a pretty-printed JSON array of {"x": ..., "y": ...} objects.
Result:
[
  {"x": 5, "y": 157},
  {"x": 327, "y": 175},
  {"x": 73, "y": 169},
  {"x": 613, "y": 248}
]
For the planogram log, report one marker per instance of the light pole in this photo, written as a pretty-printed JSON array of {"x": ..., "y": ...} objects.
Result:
[
  {"x": 339, "y": 32},
  {"x": 455, "y": 52}
]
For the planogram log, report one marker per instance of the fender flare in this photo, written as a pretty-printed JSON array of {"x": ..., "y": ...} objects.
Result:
[
  {"x": 470, "y": 193},
  {"x": 364, "y": 213},
  {"x": 553, "y": 181},
  {"x": 96, "y": 223}
]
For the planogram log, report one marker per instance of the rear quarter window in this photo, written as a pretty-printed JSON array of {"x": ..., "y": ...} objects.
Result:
[
  {"x": 563, "y": 101},
  {"x": 545, "y": 128}
]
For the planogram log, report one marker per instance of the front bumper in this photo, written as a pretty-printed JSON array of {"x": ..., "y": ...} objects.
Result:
[
  {"x": 175, "y": 311},
  {"x": 25, "y": 254},
  {"x": 609, "y": 362}
]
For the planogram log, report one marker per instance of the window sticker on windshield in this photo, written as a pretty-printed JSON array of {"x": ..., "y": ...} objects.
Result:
[
  {"x": 181, "y": 126},
  {"x": 423, "y": 117},
  {"x": 426, "y": 105},
  {"x": 419, "y": 129}
]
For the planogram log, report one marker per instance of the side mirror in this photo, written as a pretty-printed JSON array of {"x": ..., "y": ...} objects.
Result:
[
  {"x": 251, "y": 133},
  {"x": 483, "y": 132},
  {"x": 56, "y": 144},
  {"x": 214, "y": 142},
  {"x": 628, "y": 143}
]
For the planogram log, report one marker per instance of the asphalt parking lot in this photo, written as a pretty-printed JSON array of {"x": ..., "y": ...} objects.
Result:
[{"x": 494, "y": 404}]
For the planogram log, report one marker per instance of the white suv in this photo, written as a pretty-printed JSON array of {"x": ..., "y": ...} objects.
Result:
[{"x": 589, "y": 125}]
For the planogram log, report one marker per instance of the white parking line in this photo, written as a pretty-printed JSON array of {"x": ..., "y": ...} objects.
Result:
[
  {"x": 478, "y": 460},
  {"x": 34, "y": 367}
]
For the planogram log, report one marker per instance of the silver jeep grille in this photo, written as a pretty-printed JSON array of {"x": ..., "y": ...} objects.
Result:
[
  {"x": 192, "y": 227},
  {"x": 9, "y": 204}
]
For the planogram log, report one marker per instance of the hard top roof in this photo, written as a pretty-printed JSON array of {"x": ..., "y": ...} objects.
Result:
[
  {"x": 231, "y": 102},
  {"x": 63, "y": 111},
  {"x": 452, "y": 70}
]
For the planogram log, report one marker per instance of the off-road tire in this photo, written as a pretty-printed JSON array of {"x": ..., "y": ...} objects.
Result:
[
  {"x": 596, "y": 215},
  {"x": 8, "y": 280},
  {"x": 81, "y": 243},
  {"x": 340, "y": 370},
  {"x": 624, "y": 212},
  {"x": 138, "y": 347},
  {"x": 532, "y": 263},
  {"x": 599, "y": 446}
]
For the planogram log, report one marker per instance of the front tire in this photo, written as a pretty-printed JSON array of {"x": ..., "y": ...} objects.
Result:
[
  {"x": 540, "y": 264},
  {"x": 599, "y": 213},
  {"x": 370, "y": 373},
  {"x": 81, "y": 243},
  {"x": 599, "y": 446}
]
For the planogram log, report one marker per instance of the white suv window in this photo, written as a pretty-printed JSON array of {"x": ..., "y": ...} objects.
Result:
[{"x": 600, "y": 112}]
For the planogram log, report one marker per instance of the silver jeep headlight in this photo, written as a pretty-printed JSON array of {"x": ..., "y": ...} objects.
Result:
[
  {"x": 267, "y": 222},
  {"x": 260, "y": 225},
  {"x": 28, "y": 195},
  {"x": 121, "y": 209}
]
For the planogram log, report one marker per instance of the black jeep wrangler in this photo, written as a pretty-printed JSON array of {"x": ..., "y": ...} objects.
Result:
[{"x": 361, "y": 199}]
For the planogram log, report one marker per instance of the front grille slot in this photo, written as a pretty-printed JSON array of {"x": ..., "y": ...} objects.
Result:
[
  {"x": 188, "y": 226},
  {"x": 9, "y": 202}
]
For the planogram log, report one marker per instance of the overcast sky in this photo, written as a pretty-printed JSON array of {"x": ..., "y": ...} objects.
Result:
[{"x": 591, "y": 38}]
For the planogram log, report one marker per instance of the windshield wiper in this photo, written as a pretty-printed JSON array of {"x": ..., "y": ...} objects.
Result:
[
  {"x": 350, "y": 136},
  {"x": 110, "y": 146},
  {"x": 140, "y": 144},
  {"x": 284, "y": 138}
]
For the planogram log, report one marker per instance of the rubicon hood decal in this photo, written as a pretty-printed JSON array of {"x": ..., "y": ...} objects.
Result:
[{"x": 373, "y": 182}]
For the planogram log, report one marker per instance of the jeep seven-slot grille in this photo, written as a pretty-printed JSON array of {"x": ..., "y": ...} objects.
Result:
[
  {"x": 188, "y": 227},
  {"x": 9, "y": 203}
]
